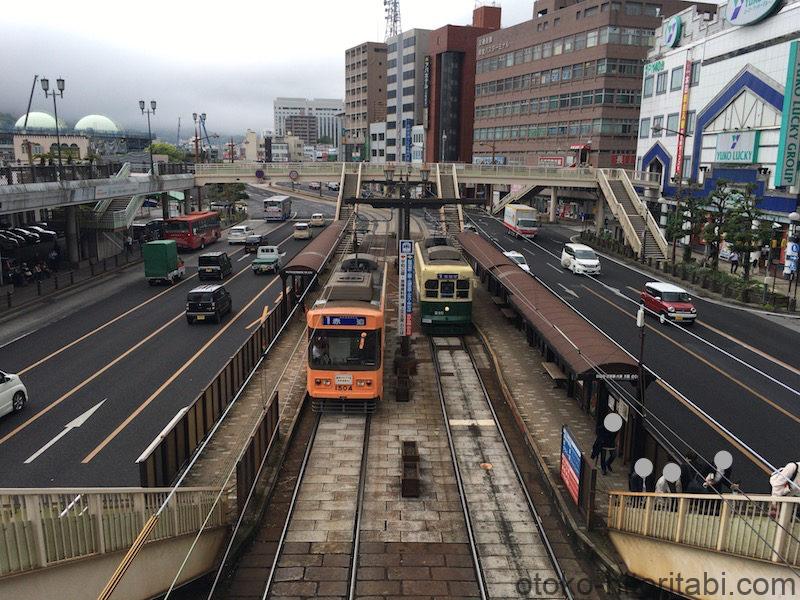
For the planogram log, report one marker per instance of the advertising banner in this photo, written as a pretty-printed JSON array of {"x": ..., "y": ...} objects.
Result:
[
  {"x": 407, "y": 152},
  {"x": 570, "y": 464},
  {"x": 789, "y": 142},
  {"x": 405, "y": 304},
  {"x": 687, "y": 80}
]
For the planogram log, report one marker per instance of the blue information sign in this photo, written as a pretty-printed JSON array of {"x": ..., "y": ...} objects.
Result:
[
  {"x": 346, "y": 321},
  {"x": 447, "y": 275},
  {"x": 570, "y": 464},
  {"x": 407, "y": 153}
]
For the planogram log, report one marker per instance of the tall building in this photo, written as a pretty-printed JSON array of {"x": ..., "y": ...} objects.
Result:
[
  {"x": 303, "y": 126},
  {"x": 565, "y": 87},
  {"x": 327, "y": 112},
  {"x": 405, "y": 69},
  {"x": 364, "y": 97},
  {"x": 720, "y": 99},
  {"x": 449, "y": 86}
]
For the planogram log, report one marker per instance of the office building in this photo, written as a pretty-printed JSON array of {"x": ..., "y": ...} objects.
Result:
[
  {"x": 404, "y": 91},
  {"x": 449, "y": 86},
  {"x": 377, "y": 142},
  {"x": 364, "y": 98},
  {"x": 565, "y": 87},
  {"x": 327, "y": 112},
  {"x": 717, "y": 97},
  {"x": 303, "y": 126}
]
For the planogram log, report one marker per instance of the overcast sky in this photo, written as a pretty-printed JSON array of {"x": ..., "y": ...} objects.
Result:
[{"x": 228, "y": 59}]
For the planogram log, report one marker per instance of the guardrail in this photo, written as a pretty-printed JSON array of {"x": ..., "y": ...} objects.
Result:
[
  {"x": 757, "y": 527},
  {"x": 43, "y": 528},
  {"x": 258, "y": 444},
  {"x": 161, "y": 462},
  {"x": 49, "y": 173}
]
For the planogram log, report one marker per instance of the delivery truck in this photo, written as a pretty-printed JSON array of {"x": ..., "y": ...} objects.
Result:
[
  {"x": 161, "y": 262},
  {"x": 521, "y": 220}
]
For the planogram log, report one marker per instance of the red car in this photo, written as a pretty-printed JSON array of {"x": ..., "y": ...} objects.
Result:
[{"x": 669, "y": 301}]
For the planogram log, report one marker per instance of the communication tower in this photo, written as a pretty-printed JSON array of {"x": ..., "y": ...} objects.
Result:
[{"x": 392, "y": 10}]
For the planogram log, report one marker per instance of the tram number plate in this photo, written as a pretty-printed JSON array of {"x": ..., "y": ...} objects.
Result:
[
  {"x": 344, "y": 388},
  {"x": 343, "y": 380}
]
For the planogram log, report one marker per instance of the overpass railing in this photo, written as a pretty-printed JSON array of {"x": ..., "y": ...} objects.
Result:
[
  {"x": 49, "y": 173},
  {"x": 757, "y": 526},
  {"x": 42, "y": 528}
]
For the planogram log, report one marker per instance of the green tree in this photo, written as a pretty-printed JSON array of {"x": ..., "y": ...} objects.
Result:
[
  {"x": 174, "y": 154},
  {"x": 745, "y": 231},
  {"x": 687, "y": 218},
  {"x": 718, "y": 205},
  {"x": 227, "y": 193}
]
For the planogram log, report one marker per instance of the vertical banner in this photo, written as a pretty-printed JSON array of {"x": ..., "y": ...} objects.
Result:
[
  {"x": 789, "y": 141},
  {"x": 407, "y": 153},
  {"x": 570, "y": 464},
  {"x": 687, "y": 81},
  {"x": 405, "y": 304}
]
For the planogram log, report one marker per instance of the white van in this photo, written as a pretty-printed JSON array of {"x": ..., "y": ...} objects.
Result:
[
  {"x": 302, "y": 231},
  {"x": 580, "y": 259}
]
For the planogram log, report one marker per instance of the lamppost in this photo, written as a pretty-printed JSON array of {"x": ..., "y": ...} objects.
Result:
[
  {"x": 196, "y": 139},
  {"x": 148, "y": 112},
  {"x": 60, "y": 92},
  {"x": 640, "y": 431},
  {"x": 492, "y": 146},
  {"x": 444, "y": 143}
]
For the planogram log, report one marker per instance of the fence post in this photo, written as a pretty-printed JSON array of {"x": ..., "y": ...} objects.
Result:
[
  {"x": 96, "y": 511},
  {"x": 724, "y": 524},
  {"x": 621, "y": 511},
  {"x": 38, "y": 288},
  {"x": 55, "y": 280},
  {"x": 681, "y": 520},
  {"x": 648, "y": 512},
  {"x": 116, "y": 260},
  {"x": 104, "y": 265},
  {"x": 91, "y": 268},
  {"x": 784, "y": 524},
  {"x": 34, "y": 514},
  {"x": 8, "y": 298},
  {"x": 72, "y": 277}
]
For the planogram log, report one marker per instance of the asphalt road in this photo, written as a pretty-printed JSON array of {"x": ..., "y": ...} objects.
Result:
[
  {"x": 757, "y": 398},
  {"x": 134, "y": 352}
]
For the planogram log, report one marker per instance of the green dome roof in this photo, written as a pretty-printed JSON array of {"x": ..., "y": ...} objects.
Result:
[
  {"x": 36, "y": 120},
  {"x": 97, "y": 123}
]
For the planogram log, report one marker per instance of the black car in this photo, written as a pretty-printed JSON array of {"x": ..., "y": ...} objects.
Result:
[
  {"x": 10, "y": 234},
  {"x": 214, "y": 265},
  {"x": 29, "y": 236},
  {"x": 8, "y": 242},
  {"x": 252, "y": 242},
  {"x": 208, "y": 302},
  {"x": 45, "y": 235}
]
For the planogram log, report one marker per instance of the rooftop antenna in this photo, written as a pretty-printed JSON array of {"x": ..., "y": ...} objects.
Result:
[{"x": 392, "y": 10}]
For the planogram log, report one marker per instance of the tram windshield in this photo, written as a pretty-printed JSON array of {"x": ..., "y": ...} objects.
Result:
[{"x": 344, "y": 349}]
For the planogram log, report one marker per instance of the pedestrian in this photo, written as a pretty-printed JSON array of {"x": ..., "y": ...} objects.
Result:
[
  {"x": 128, "y": 243},
  {"x": 734, "y": 261},
  {"x": 786, "y": 481},
  {"x": 605, "y": 447},
  {"x": 636, "y": 483}
]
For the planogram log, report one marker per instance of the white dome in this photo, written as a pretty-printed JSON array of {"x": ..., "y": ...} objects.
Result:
[
  {"x": 98, "y": 123},
  {"x": 36, "y": 120}
]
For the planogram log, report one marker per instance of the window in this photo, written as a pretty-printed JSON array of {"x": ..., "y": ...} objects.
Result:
[
  {"x": 676, "y": 79},
  {"x": 391, "y": 142},
  {"x": 672, "y": 125},
  {"x": 374, "y": 137},
  {"x": 408, "y": 90},
  {"x": 408, "y": 107},
  {"x": 658, "y": 124},
  {"x": 374, "y": 153},
  {"x": 409, "y": 58},
  {"x": 661, "y": 83},
  {"x": 380, "y": 152},
  {"x": 648, "y": 86},
  {"x": 408, "y": 75},
  {"x": 392, "y": 47},
  {"x": 633, "y": 8},
  {"x": 558, "y": 47},
  {"x": 390, "y": 125},
  {"x": 590, "y": 12},
  {"x": 569, "y": 43},
  {"x": 591, "y": 39},
  {"x": 691, "y": 117},
  {"x": 644, "y": 128},
  {"x": 381, "y": 136},
  {"x": 392, "y": 63},
  {"x": 391, "y": 109},
  {"x": 391, "y": 79},
  {"x": 652, "y": 10},
  {"x": 695, "y": 73},
  {"x": 391, "y": 94},
  {"x": 408, "y": 42},
  {"x": 391, "y": 158},
  {"x": 687, "y": 165}
]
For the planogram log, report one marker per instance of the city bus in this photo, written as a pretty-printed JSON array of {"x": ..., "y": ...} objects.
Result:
[
  {"x": 277, "y": 208},
  {"x": 194, "y": 230}
]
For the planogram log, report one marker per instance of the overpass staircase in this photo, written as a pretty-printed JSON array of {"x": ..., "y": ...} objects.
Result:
[
  {"x": 708, "y": 538},
  {"x": 641, "y": 230},
  {"x": 525, "y": 192},
  {"x": 115, "y": 214},
  {"x": 349, "y": 187},
  {"x": 451, "y": 216}
]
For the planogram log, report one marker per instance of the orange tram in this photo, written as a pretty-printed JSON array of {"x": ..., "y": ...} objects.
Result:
[{"x": 346, "y": 338}]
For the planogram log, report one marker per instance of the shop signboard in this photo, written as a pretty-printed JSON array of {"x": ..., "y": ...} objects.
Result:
[
  {"x": 672, "y": 31},
  {"x": 736, "y": 147},
  {"x": 687, "y": 82},
  {"x": 570, "y": 464},
  {"x": 551, "y": 161},
  {"x": 405, "y": 288},
  {"x": 654, "y": 67},
  {"x": 789, "y": 141},
  {"x": 750, "y": 12}
]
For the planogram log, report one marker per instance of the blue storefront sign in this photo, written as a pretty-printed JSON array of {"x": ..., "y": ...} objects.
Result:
[{"x": 407, "y": 153}]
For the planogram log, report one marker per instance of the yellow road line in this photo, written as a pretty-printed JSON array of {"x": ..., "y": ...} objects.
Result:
[
  {"x": 719, "y": 370},
  {"x": 260, "y": 319},
  {"x": 88, "y": 380},
  {"x": 88, "y": 458}
]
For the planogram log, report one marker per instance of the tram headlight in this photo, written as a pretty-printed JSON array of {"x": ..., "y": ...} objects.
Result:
[
  {"x": 363, "y": 383},
  {"x": 323, "y": 382},
  {"x": 446, "y": 309}
]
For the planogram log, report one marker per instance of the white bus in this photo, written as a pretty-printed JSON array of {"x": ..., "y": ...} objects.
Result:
[{"x": 277, "y": 208}]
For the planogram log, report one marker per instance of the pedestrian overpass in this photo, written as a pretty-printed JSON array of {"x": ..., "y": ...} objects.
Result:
[{"x": 750, "y": 544}]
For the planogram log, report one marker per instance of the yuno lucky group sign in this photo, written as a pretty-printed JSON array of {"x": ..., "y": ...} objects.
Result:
[
  {"x": 739, "y": 147},
  {"x": 789, "y": 143}
]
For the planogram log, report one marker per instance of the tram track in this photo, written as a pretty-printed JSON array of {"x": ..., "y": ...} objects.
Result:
[{"x": 507, "y": 538}]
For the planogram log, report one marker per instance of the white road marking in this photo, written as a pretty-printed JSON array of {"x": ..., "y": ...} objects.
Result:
[
  {"x": 552, "y": 266},
  {"x": 75, "y": 423},
  {"x": 245, "y": 255},
  {"x": 567, "y": 290}
]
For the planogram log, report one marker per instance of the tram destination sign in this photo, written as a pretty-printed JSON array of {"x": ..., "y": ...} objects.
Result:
[{"x": 344, "y": 321}]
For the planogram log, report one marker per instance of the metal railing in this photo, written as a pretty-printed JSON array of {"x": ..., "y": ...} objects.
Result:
[
  {"x": 49, "y": 173},
  {"x": 42, "y": 528},
  {"x": 757, "y": 527},
  {"x": 618, "y": 210}
]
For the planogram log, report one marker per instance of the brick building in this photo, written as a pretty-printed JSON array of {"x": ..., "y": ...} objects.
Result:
[
  {"x": 303, "y": 126},
  {"x": 565, "y": 87},
  {"x": 449, "y": 86},
  {"x": 364, "y": 96}
]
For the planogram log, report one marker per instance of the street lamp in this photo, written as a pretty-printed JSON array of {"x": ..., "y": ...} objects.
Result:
[
  {"x": 492, "y": 146},
  {"x": 640, "y": 432},
  {"x": 444, "y": 144},
  {"x": 148, "y": 112},
  {"x": 60, "y": 92}
]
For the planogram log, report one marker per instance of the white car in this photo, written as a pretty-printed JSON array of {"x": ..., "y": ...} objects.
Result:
[
  {"x": 580, "y": 259},
  {"x": 302, "y": 231},
  {"x": 317, "y": 220},
  {"x": 333, "y": 186},
  {"x": 13, "y": 394},
  {"x": 314, "y": 185},
  {"x": 239, "y": 234},
  {"x": 518, "y": 259}
]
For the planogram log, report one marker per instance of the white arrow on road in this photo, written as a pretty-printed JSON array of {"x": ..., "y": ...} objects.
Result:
[
  {"x": 77, "y": 422},
  {"x": 567, "y": 290}
]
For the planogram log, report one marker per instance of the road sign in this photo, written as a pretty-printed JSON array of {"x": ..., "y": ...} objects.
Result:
[
  {"x": 294, "y": 175},
  {"x": 405, "y": 288}
]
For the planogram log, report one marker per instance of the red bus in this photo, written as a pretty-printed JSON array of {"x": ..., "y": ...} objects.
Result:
[{"x": 194, "y": 230}]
